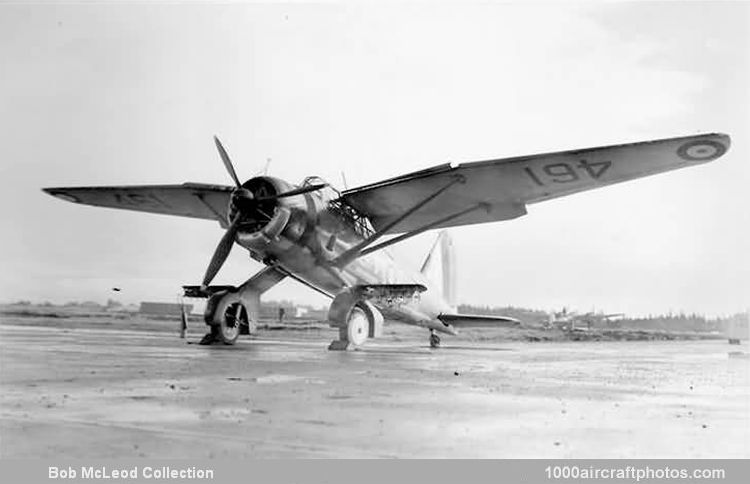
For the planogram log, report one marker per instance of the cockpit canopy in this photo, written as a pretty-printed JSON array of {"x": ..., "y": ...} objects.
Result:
[{"x": 328, "y": 193}]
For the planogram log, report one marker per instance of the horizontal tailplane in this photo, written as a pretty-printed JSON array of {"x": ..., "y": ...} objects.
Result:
[{"x": 478, "y": 321}]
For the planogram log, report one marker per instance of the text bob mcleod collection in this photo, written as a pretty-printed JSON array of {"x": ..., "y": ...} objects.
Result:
[{"x": 135, "y": 472}]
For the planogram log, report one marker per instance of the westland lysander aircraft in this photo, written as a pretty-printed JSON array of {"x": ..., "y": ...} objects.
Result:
[{"x": 333, "y": 242}]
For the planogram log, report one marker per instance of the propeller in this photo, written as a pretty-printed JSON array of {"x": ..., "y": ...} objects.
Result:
[
  {"x": 246, "y": 203},
  {"x": 222, "y": 251},
  {"x": 227, "y": 162},
  {"x": 291, "y": 193}
]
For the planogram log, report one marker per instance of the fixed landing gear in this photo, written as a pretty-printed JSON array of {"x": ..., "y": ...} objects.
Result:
[
  {"x": 230, "y": 325},
  {"x": 357, "y": 328},
  {"x": 354, "y": 334},
  {"x": 226, "y": 315},
  {"x": 434, "y": 339},
  {"x": 356, "y": 320},
  {"x": 232, "y": 311}
]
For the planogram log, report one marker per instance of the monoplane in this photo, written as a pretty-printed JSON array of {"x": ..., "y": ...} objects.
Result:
[{"x": 333, "y": 242}]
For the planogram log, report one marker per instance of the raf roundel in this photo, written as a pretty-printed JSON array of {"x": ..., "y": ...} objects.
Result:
[{"x": 701, "y": 150}]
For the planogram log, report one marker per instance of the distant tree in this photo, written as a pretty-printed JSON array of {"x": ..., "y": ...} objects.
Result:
[{"x": 111, "y": 303}]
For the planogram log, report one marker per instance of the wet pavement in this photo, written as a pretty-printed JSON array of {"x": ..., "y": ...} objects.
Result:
[{"x": 108, "y": 392}]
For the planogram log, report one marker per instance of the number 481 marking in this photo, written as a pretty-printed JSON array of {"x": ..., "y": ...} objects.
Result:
[{"x": 567, "y": 172}]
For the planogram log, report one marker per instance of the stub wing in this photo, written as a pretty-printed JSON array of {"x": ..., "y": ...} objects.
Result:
[
  {"x": 380, "y": 292},
  {"x": 501, "y": 189},
  {"x": 478, "y": 321},
  {"x": 195, "y": 200}
]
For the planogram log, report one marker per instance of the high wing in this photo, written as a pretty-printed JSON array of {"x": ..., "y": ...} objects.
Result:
[
  {"x": 195, "y": 200},
  {"x": 489, "y": 191}
]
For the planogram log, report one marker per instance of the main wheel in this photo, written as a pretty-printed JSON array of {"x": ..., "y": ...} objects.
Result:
[
  {"x": 357, "y": 327},
  {"x": 235, "y": 315}
]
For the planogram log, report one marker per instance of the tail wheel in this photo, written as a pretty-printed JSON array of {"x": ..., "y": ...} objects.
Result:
[
  {"x": 357, "y": 327},
  {"x": 235, "y": 315},
  {"x": 434, "y": 340}
]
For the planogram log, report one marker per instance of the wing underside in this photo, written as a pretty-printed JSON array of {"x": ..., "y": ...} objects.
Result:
[
  {"x": 187, "y": 200},
  {"x": 494, "y": 190}
]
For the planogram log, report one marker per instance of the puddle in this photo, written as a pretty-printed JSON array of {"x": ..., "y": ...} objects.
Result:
[
  {"x": 286, "y": 379},
  {"x": 142, "y": 411},
  {"x": 225, "y": 413}
]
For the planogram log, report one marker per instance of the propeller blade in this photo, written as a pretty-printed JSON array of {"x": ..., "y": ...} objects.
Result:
[
  {"x": 227, "y": 162},
  {"x": 221, "y": 253},
  {"x": 291, "y": 193}
]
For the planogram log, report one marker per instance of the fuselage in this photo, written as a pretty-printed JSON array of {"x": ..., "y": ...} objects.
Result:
[{"x": 306, "y": 233}]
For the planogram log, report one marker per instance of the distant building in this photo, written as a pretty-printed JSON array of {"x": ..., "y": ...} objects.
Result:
[
  {"x": 164, "y": 309},
  {"x": 316, "y": 314},
  {"x": 288, "y": 310},
  {"x": 272, "y": 310}
]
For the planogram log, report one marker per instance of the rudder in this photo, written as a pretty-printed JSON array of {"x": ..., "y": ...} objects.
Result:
[{"x": 440, "y": 266}]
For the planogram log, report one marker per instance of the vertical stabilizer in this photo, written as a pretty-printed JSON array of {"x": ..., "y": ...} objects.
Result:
[{"x": 440, "y": 267}]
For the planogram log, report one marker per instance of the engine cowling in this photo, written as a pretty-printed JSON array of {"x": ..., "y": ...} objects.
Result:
[{"x": 265, "y": 217}]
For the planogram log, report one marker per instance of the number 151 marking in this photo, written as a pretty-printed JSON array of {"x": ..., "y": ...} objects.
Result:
[{"x": 567, "y": 172}]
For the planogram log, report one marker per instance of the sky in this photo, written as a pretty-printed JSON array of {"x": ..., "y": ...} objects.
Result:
[{"x": 132, "y": 93}]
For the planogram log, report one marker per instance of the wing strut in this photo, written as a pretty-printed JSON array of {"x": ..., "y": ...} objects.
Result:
[
  {"x": 424, "y": 228},
  {"x": 361, "y": 248},
  {"x": 294, "y": 276}
]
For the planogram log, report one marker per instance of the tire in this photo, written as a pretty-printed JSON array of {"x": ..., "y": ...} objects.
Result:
[
  {"x": 357, "y": 327},
  {"x": 230, "y": 323},
  {"x": 434, "y": 341}
]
